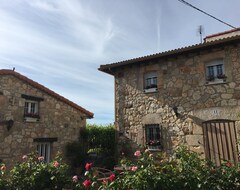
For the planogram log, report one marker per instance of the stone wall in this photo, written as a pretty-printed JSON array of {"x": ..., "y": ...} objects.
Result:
[
  {"x": 57, "y": 120},
  {"x": 181, "y": 84}
]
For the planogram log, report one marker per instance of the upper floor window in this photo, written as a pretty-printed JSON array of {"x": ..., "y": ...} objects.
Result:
[
  {"x": 153, "y": 136},
  {"x": 150, "y": 82},
  {"x": 31, "y": 108},
  {"x": 215, "y": 71}
]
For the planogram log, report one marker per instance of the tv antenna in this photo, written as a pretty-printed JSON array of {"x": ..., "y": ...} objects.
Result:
[{"x": 200, "y": 32}]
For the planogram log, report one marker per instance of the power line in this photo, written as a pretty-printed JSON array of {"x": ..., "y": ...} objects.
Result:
[{"x": 190, "y": 5}]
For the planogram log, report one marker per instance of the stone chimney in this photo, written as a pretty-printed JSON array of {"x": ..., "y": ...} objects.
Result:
[{"x": 221, "y": 35}]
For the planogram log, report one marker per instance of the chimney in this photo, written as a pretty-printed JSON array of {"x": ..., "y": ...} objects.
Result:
[{"x": 221, "y": 35}]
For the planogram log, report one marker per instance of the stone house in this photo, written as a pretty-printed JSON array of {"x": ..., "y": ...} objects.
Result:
[
  {"x": 189, "y": 95},
  {"x": 34, "y": 118}
]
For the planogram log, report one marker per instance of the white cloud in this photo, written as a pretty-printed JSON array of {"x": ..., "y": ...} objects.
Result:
[{"x": 61, "y": 43}]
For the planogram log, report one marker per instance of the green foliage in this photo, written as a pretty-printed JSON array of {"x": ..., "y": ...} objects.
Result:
[
  {"x": 33, "y": 173},
  {"x": 75, "y": 153},
  {"x": 101, "y": 140},
  {"x": 102, "y": 137},
  {"x": 92, "y": 139},
  {"x": 4, "y": 177},
  {"x": 185, "y": 170}
]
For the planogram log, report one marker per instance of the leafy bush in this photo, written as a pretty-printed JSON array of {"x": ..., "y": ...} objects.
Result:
[
  {"x": 75, "y": 154},
  {"x": 34, "y": 173},
  {"x": 100, "y": 140},
  {"x": 185, "y": 170}
]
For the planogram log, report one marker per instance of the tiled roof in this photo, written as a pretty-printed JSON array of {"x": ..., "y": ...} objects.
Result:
[
  {"x": 46, "y": 90},
  {"x": 222, "y": 33},
  {"x": 172, "y": 53}
]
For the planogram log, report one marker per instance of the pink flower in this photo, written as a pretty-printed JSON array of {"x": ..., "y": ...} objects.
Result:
[
  {"x": 24, "y": 157},
  {"x": 147, "y": 150},
  {"x": 3, "y": 168},
  {"x": 87, "y": 183},
  {"x": 56, "y": 164},
  {"x": 40, "y": 158},
  {"x": 105, "y": 181},
  {"x": 75, "y": 179},
  {"x": 150, "y": 155},
  {"x": 112, "y": 177},
  {"x": 88, "y": 166},
  {"x": 137, "y": 153},
  {"x": 134, "y": 168}
]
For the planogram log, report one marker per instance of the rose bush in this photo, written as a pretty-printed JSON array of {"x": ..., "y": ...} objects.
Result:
[{"x": 185, "y": 170}]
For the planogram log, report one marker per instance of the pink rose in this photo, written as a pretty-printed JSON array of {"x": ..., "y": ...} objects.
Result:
[
  {"x": 24, "y": 157},
  {"x": 75, "y": 179},
  {"x": 88, "y": 166},
  {"x": 3, "y": 168},
  {"x": 134, "y": 168},
  {"x": 87, "y": 183},
  {"x": 150, "y": 155},
  {"x": 137, "y": 153},
  {"x": 112, "y": 177},
  {"x": 147, "y": 150},
  {"x": 56, "y": 164},
  {"x": 40, "y": 158}
]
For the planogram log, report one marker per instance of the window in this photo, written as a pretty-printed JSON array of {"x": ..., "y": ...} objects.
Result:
[
  {"x": 150, "y": 82},
  {"x": 153, "y": 136},
  {"x": 215, "y": 71},
  {"x": 31, "y": 109},
  {"x": 44, "y": 149}
]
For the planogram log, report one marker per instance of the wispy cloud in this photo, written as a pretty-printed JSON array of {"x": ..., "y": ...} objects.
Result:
[{"x": 61, "y": 43}]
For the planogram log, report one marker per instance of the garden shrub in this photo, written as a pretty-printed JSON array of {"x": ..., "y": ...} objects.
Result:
[
  {"x": 100, "y": 140},
  {"x": 76, "y": 153},
  {"x": 34, "y": 173},
  {"x": 185, "y": 170}
]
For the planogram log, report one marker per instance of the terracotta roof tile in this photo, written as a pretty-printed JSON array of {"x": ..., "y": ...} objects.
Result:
[
  {"x": 222, "y": 33},
  {"x": 171, "y": 53},
  {"x": 46, "y": 90}
]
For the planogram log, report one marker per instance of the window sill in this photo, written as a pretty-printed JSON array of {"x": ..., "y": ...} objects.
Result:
[
  {"x": 150, "y": 90},
  {"x": 31, "y": 119},
  {"x": 155, "y": 148},
  {"x": 219, "y": 81}
]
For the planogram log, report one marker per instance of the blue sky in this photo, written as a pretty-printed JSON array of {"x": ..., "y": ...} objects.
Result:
[{"x": 61, "y": 43}]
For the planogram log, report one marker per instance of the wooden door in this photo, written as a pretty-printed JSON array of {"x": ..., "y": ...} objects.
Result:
[{"x": 220, "y": 141}]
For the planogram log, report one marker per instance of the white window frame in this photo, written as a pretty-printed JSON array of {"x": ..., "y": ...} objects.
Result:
[
  {"x": 155, "y": 137},
  {"x": 44, "y": 149},
  {"x": 150, "y": 82},
  {"x": 215, "y": 77},
  {"x": 32, "y": 108}
]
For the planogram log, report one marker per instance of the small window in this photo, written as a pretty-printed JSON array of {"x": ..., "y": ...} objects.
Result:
[
  {"x": 150, "y": 82},
  {"x": 31, "y": 109},
  {"x": 44, "y": 149},
  {"x": 215, "y": 71},
  {"x": 153, "y": 137}
]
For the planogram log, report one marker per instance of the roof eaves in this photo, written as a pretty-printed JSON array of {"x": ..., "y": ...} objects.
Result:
[{"x": 106, "y": 68}]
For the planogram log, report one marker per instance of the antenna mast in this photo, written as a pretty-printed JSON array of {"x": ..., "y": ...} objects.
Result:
[{"x": 200, "y": 32}]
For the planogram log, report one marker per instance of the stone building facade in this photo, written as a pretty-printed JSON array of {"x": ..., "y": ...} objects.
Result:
[
  {"x": 34, "y": 118},
  {"x": 185, "y": 96}
]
